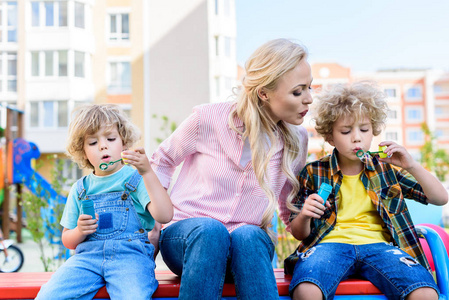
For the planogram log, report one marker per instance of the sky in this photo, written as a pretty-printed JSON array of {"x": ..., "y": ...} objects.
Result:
[{"x": 364, "y": 35}]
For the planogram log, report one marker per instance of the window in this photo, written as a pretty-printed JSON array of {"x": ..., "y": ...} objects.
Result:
[
  {"x": 62, "y": 63},
  {"x": 414, "y": 114},
  {"x": 390, "y": 92},
  {"x": 391, "y": 136},
  {"x": 49, "y": 13},
  {"x": 217, "y": 86},
  {"x": 119, "y": 77},
  {"x": 79, "y": 15},
  {"x": 414, "y": 93},
  {"x": 12, "y": 21},
  {"x": 227, "y": 8},
  {"x": 8, "y": 72},
  {"x": 48, "y": 63},
  {"x": 1, "y": 23},
  {"x": 8, "y": 22},
  {"x": 62, "y": 13},
  {"x": 34, "y": 117},
  {"x": 437, "y": 89},
  {"x": 216, "y": 7},
  {"x": 227, "y": 46},
  {"x": 415, "y": 136},
  {"x": 12, "y": 72},
  {"x": 119, "y": 27},
  {"x": 48, "y": 114},
  {"x": 35, "y": 16},
  {"x": 217, "y": 46},
  {"x": 79, "y": 64},
  {"x": 1, "y": 74},
  {"x": 63, "y": 119},
  {"x": 392, "y": 114},
  {"x": 54, "y": 63},
  {"x": 71, "y": 172},
  {"x": 34, "y": 63}
]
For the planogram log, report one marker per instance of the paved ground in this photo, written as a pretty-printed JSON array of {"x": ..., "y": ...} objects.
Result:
[{"x": 33, "y": 263}]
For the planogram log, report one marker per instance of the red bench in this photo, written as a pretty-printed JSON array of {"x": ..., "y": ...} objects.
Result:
[{"x": 27, "y": 285}]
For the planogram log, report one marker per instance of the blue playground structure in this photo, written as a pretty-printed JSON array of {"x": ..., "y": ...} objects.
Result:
[{"x": 23, "y": 173}]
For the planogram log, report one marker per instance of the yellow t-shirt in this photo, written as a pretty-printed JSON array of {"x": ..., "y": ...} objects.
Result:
[{"x": 358, "y": 221}]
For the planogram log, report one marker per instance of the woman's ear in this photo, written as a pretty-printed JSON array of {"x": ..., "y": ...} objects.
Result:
[{"x": 262, "y": 93}]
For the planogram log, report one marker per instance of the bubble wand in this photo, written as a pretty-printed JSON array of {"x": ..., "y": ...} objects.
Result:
[
  {"x": 360, "y": 153},
  {"x": 104, "y": 166}
]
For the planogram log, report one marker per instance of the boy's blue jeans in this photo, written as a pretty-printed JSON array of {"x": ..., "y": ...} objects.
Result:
[
  {"x": 200, "y": 250},
  {"x": 389, "y": 268}
]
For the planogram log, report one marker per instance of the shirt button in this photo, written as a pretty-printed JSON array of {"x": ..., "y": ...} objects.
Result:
[
  {"x": 129, "y": 240},
  {"x": 127, "y": 209},
  {"x": 141, "y": 230}
]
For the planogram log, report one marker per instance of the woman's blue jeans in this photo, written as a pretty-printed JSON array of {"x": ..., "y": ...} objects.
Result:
[{"x": 202, "y": 251}]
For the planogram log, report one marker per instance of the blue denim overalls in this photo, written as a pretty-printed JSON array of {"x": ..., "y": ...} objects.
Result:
[{"x": 118, "y": 255}]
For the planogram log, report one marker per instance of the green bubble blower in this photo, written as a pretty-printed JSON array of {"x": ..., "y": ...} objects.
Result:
[
  {"x": 360, "y": 153},
  {"x": 104, "y": 166}
]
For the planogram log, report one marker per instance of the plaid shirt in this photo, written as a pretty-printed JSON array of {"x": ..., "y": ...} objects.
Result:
[{"x": 387, "y": 186}]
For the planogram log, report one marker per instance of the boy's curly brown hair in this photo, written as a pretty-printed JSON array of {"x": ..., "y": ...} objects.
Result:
[
  {"x": 88, "y": 119},
  {"x": 357, "y": 100}
]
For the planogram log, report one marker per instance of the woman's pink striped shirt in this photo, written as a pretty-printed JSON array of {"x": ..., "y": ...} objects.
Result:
[{"x": 211, "y": 182}]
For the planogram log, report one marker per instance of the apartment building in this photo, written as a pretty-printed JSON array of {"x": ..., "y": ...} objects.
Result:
[
  {"x": 153, "y": 58},
  {"x": 414, "y": 97}
]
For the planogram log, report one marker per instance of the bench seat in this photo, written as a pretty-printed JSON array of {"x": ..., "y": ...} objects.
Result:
[{"x": 27, "y": 285}]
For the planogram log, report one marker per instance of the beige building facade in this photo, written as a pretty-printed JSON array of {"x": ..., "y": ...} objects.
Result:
[{"x": 156, "y": 59}]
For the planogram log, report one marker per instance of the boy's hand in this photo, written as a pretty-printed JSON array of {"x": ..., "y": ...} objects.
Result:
[
  {"x": 313, "y": 207},
  {"x": 86, "y": 225},
  {"x": 397, "y": 155},
  {"x": 154, "y": 236},
  {"x": 138, "y": 159}
]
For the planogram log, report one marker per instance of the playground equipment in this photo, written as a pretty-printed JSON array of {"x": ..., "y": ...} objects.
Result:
[
  {"x": 15, "y": 169},
  {"x": 21, "y": 172}
]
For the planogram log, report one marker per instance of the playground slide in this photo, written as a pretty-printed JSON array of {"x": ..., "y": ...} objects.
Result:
[
  {"x": 23, "y": 152},
  {"x": 21, "y": 172}
]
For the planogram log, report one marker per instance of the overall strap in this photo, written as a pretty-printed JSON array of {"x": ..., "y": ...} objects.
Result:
[
  {"x": 133, "y": 182},
  {"x": 80, "y": 188}
]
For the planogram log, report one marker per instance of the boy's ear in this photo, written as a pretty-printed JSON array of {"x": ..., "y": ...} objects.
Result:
[
  {"x": 330, "y": 140},
  {"x": 262, "y": 93}
]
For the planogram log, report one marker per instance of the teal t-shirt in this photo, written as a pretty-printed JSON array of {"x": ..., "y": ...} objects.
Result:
[{"x": 108, "y": 184}]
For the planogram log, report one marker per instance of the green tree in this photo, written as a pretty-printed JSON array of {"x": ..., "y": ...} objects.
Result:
[
  {"x": 167, "y": 127},
  {"x": 433, "y": 159},
  {"x": 43, "y": 221}
]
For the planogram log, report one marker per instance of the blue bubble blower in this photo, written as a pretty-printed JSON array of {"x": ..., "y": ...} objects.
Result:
[
  {"x": 324, "y": 191},
  {"x": 88, "y": 208}
]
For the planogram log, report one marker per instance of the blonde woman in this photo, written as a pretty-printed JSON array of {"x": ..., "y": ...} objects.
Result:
[{"x": 239, "y": 160}]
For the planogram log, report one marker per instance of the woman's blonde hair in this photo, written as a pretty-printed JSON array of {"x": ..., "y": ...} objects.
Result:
[
  {"x": 358, "y": 100},
  {"x": 88, "y": 120},
  {"x": 263, "y": 70}
]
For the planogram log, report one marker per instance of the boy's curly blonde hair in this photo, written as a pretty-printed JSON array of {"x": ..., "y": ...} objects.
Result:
[
  {"x": 88, "y": 119},
  {"x": 357, "y": 100}
]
